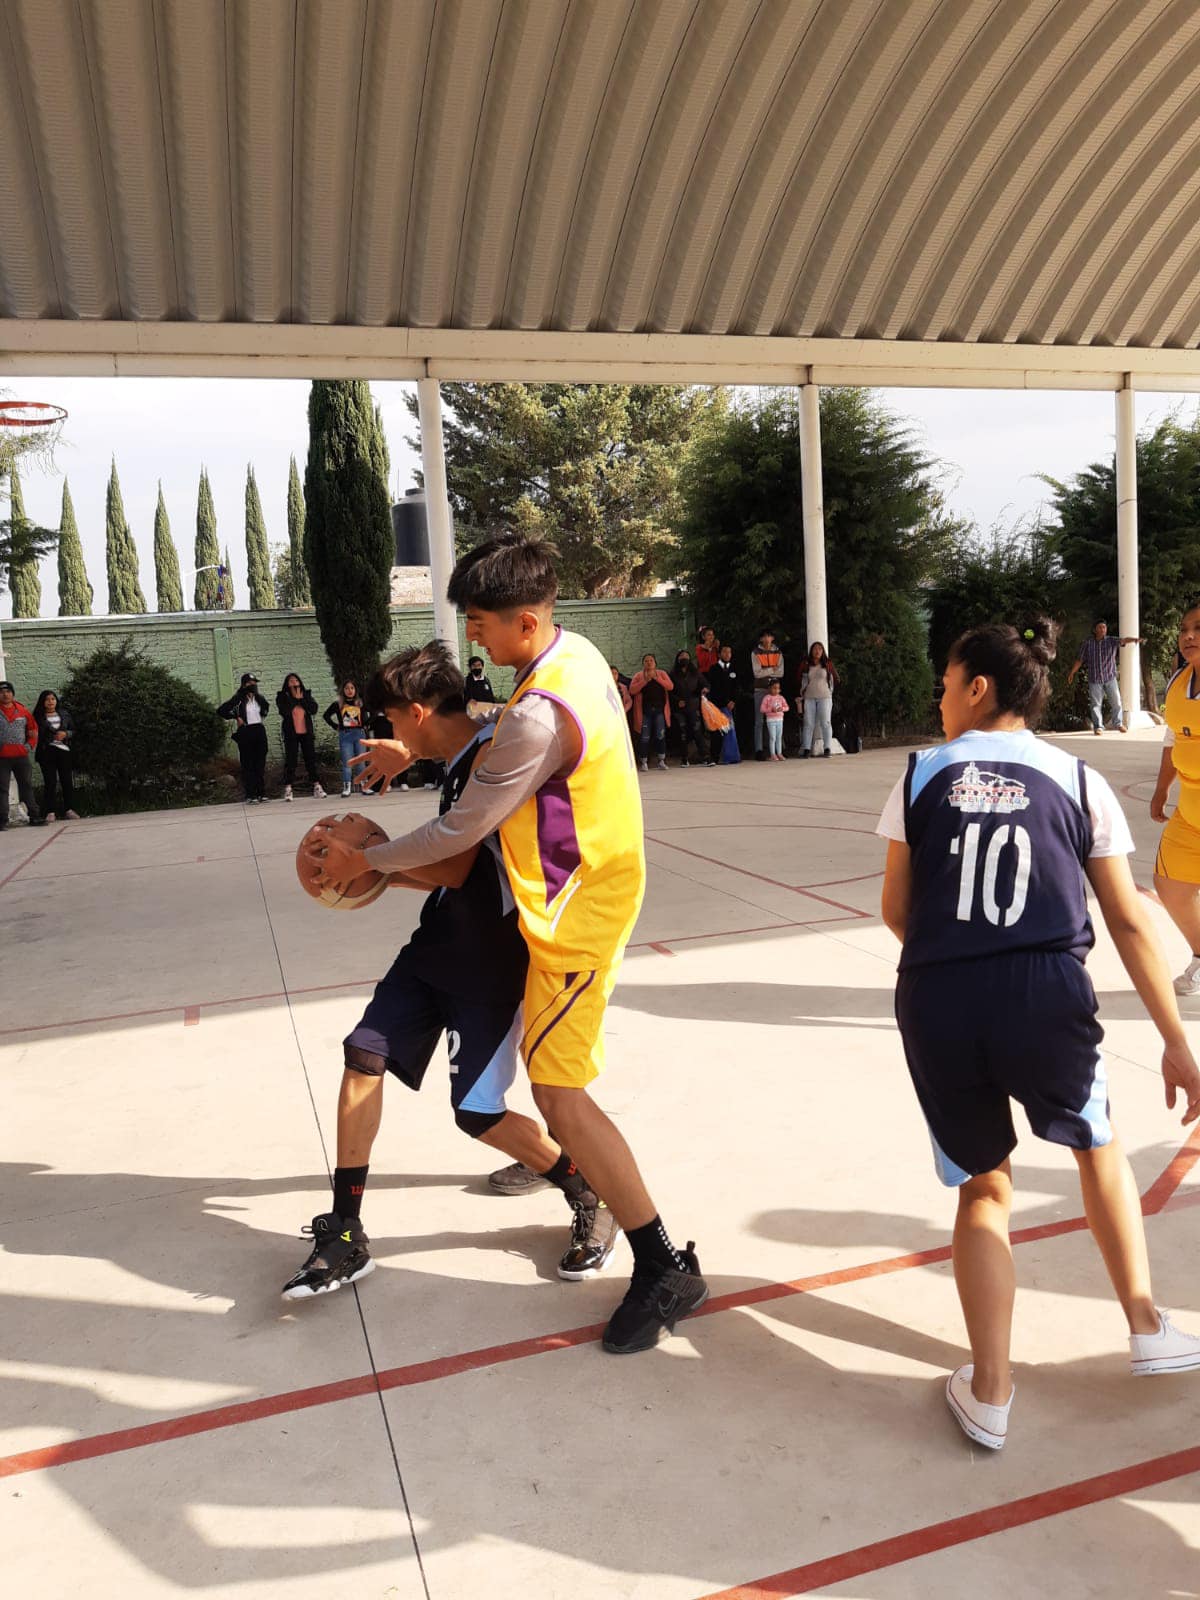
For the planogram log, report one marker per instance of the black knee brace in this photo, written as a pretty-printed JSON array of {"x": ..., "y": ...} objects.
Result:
[
  {"x": 477, "y": 1123},
  {"x": 364, "y": 1061}
]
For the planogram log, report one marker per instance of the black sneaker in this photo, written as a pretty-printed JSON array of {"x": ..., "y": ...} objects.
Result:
[
  {"x": 656, "y": 1299},
  {"x": 594, "y": 1235},
  {"x": 339, "y": 1255}
]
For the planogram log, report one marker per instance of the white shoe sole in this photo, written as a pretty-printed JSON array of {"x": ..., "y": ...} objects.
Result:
[
  {"x": 569, "y": 1276},
  {"x": 301, "y": 1292},
  {"x": 1150, "y": 1365},
  {"x": 1187, "y": 990},
  {"x": 973, "y": 1431}
]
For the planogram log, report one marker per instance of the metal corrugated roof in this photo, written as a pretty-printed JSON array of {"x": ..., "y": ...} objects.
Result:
[{"x": 964, "y": 171}]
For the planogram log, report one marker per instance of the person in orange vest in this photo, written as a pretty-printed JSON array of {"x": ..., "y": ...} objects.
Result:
[{"x": 766, "y": 664}]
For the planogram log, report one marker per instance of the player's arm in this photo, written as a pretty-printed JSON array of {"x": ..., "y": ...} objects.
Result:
[
  {"x": 449, "y": 874},
  {"x": 897, "y": 888},
  {"x": 1128, "y": 921},
  {"x": 1162, "y": 789}
]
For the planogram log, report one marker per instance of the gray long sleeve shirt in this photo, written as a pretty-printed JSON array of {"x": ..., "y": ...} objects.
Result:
[{"x": 534, "y": 742}]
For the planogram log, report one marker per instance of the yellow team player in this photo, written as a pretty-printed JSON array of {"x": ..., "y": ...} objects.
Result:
[
  {"x": 1177, "y": 865},
  {"x": 560, "y": 786}
]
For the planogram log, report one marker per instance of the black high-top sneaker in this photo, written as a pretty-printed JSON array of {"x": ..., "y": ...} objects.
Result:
[
  {"x": 594, "y": 1234},
  {"x": 656, "y": 1299},
  {"x": 339, "y": 1255}
]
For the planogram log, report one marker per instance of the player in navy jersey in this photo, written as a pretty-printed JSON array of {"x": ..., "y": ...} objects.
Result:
[
  {"x": 462, "y": 974},
  {"x": 991, "y": 837}
]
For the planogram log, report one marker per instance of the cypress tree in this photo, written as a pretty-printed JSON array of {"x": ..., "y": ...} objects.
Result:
[
  {"x": 380, "y": 457},
  {"x": 208, "y": 554},
  {"x": 23, "y": 580},
  {"x": 258, "y": 559},
  {"x": 166, "y": 560},
  {"x": 226, "y": 599},
  {"x": 74, "y": 591},
  {"x": 125, "y": 597},
  {"x": 348, "y": 547},
  {"x": 298, "y": 572}
]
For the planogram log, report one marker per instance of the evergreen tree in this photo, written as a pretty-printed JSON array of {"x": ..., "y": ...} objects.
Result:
[
  {"x": 381, "y": 458},
  {"x": 166, "y": 560},
  {"x": 225, "y": 601},
  {"x": 125, "y": 597},
  {"x": 74, "y": 591},
  {"x": 258, "y": 560},
  {"x": 348, "y": 545},
  {"x": 298, "y": 586},
  {"x": 593, "y": 466},
  {"x": 208, "y": 554},
  {"x": 23, "y": 578}
]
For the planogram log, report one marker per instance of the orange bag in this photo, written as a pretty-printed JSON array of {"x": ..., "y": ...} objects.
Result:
[{"x": 714, "y": 719}]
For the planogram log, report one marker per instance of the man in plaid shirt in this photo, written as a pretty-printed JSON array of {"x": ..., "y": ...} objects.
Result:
[{"x": 1098, "y": 657}]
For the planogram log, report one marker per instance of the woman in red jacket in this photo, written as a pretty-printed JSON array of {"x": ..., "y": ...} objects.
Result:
[
  {"x": 651, "y": 691},
  {"x": 18, "y": 741}
]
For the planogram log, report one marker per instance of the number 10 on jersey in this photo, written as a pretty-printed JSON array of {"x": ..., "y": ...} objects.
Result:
[{"x": 967, "y": 847}]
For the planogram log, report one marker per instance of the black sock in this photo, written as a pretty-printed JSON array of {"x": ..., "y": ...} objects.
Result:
[
  {"x": 565, "y": 1175},
  {"x": 652, "y": 1247},
  {"x": 348, "y": 1186}
]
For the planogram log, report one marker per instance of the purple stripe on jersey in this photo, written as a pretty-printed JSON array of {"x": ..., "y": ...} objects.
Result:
[
  {"x": 554, "y": 1022},
  {"x": 558, "y": 843},
  {"x": 574, "y": 716}
]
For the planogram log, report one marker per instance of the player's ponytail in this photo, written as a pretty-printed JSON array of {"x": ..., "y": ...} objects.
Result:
[{"x": 1017, "y": 660}]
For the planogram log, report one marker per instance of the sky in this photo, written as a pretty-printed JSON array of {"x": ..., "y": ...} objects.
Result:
[{"x": 993, "y": 445}]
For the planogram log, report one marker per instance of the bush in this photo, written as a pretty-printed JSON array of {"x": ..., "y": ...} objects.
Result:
[
  {"x": 143, "y": 734},
  {"x": 886, "y": 681}
]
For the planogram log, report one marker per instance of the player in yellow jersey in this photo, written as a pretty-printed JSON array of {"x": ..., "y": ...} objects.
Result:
[
  {"x": 1177, "y": 864},
  {"x": 559, "y": 783}
]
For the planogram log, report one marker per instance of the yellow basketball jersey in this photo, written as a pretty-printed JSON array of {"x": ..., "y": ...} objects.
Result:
[
  {"x": 1183, "y": 718},
  {"x": 574, "y": 851}
]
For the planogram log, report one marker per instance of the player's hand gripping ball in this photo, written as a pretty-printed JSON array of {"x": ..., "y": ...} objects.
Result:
[{"x": 357, "y": 833}]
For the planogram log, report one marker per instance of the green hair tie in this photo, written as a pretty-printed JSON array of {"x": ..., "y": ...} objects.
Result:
[{"x": 1029, "y": 634}]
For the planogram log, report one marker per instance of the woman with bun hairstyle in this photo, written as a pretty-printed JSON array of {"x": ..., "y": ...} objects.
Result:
[
  {"x": 994, "y": 837},
  {"x": 1177, "y": 864}
]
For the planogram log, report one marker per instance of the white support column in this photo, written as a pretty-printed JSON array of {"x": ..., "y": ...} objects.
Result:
[
  {"x": 1128, "y": 619},
  {"x": 437, "y": 509},
  {"x": 815, "y": 607}
]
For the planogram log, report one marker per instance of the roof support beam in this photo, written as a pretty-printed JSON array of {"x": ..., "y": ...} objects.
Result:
[{"x": 278, "y": 350}]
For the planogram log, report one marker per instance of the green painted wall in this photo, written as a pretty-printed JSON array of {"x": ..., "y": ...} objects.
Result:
[{"x": 212, "y": 651}]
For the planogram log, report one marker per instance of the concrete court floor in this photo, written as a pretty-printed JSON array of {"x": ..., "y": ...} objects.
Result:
[{"x": 173, "y": 1007}]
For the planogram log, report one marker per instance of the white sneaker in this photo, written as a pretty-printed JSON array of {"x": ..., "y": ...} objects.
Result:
[
  {"x": 1188, "y": 981},
  {"x": 318, "y": 792},
  {"x": 345, "y": 791},
  {"x": 644, "y": 765},
  {"x": 1168, "y": 1350},
  {"x": 287, "y": 792},
  {"x": 986, "y": 1425},
  {"x": 72, "y": 816},
  {"x": 50, "y": 817},
  {"x": 662, "y": 763}
]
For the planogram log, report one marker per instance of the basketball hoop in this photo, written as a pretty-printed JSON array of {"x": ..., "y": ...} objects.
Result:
[{"x": 30, "y": 414}]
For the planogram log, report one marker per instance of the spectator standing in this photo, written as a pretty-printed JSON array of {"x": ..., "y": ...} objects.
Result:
[
  {"x": 248, "y": 710},
  {"x": 478, "y": 687},
  {"x": 345, "y": 716},
  {"x": 688, "y": 686},
  {"x": 774, "y": 709},
  {"x": 56, "y": 732},
  {"x": 18, "y": 741},
  {"x": 723, "y": 687},
  {"x": 1098, "y": 656},
  {"x": 766, "y": 663},
  {"x": 297, "y": 708},
  {"x": 622, "y": 689},
  {"x": 651, "y": 692},
  {"x": 707, "y": 650},
  {"x": 818, "y": 680}
]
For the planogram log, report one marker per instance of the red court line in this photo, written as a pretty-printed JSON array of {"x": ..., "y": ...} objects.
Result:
[
  {"x": 468, "y": 1361},
  {"x": 962, "y": 1530},
  {"x": 663, "y": 949},
  {"x": 1168, "y": 1181},
  {"x": 775, "y": 883},
  {"x": 202, "y": 1005},
  {"x": 33, "y": 854},
  {"x": 191, "y": 1016}
]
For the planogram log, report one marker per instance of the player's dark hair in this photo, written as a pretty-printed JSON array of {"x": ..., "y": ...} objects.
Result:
[
  {"x": 1016, "y": 660},
  {"x": 421, "y": 675},
  {"x": 505, "y": 574}
]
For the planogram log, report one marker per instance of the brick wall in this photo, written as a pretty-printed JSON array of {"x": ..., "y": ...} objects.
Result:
[{"x": 212, "y": 650}]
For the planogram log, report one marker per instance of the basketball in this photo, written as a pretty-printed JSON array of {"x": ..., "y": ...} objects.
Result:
[{"x": 359, "y": 832}]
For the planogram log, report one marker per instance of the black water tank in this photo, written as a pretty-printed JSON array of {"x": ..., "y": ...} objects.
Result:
[{"x": 410, "y": 530}]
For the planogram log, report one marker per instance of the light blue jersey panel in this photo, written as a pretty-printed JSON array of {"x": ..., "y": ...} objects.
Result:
[{"x": 1019, "y": 746}]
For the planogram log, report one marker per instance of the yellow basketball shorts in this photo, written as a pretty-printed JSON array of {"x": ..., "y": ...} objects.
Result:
[
  {"x": 1178, "y": 857},
  {"x": 563, "y": 1044}
]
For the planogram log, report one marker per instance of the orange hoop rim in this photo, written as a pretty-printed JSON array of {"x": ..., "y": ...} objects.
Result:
[{"x": 45, "y": 414}]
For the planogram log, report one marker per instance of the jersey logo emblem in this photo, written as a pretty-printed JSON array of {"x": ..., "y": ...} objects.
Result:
[{"x": 975, "y": 790}]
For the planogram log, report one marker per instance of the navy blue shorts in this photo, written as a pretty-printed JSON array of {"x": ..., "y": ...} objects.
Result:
[
  {"x": 980, "y": 1034},
  {"x": 406, "y": 1017}
]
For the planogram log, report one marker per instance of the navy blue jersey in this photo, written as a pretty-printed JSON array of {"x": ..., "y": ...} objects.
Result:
[
  {"x": 468, "y": 940},
  {"x": 999, "y": 830}
]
